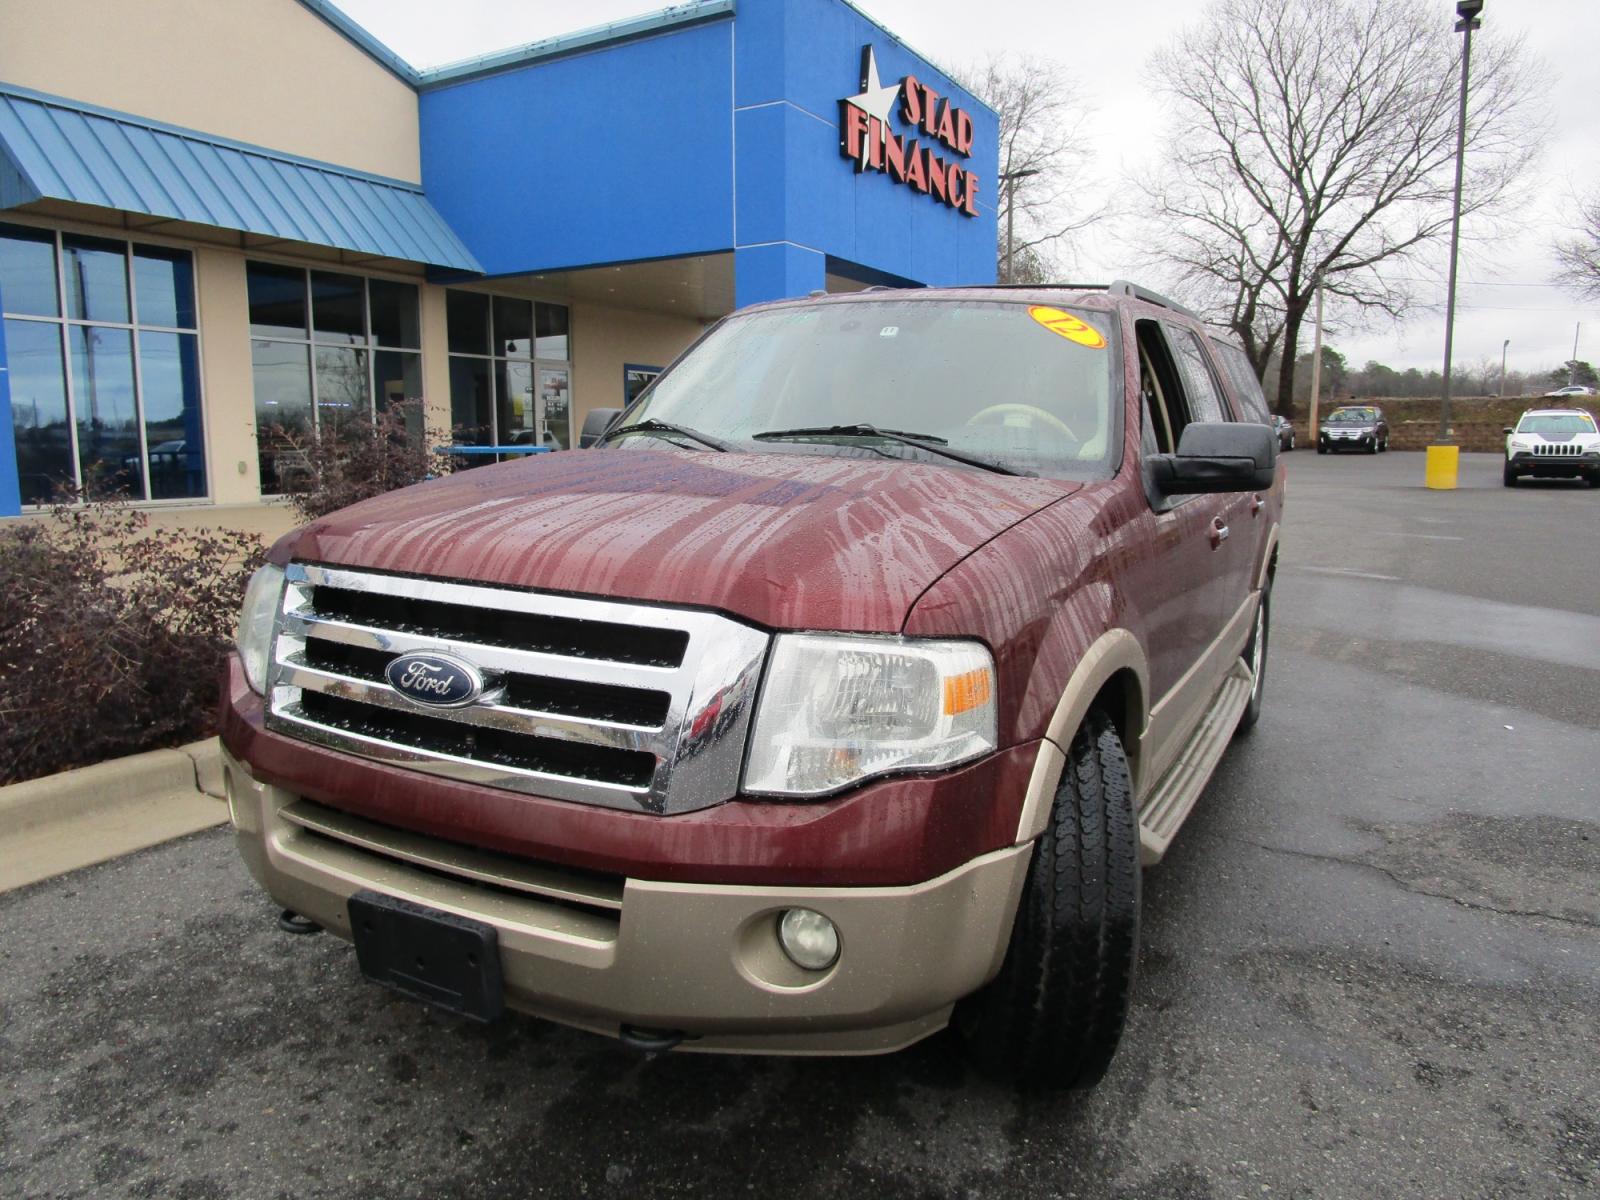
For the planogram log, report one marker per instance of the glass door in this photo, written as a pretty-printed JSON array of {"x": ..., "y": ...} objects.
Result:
[{"x": 554, "y": 405}]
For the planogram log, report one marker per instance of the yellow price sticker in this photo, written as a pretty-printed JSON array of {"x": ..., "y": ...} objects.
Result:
[{"x": 1068, "y": 326}]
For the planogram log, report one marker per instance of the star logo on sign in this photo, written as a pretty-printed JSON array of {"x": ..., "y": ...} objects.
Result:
[{"x": 875, "y": 100}]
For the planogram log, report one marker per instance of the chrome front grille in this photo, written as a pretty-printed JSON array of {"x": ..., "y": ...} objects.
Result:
[
  {"x": 622, "y": 705},
  {"x": 1557, "y": 450}
]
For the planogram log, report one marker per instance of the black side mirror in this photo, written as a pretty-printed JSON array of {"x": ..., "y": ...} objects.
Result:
[
  {"x": 1217, "y": 456},
  {"x": 595, "y": 422},
  {"x": 1508, "y": 429}
]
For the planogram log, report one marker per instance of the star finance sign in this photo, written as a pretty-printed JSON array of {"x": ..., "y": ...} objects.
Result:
[{"x": 866, "y": 139}]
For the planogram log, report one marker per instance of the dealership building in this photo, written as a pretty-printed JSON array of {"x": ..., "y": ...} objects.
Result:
[{"x": 224, "y": 224}]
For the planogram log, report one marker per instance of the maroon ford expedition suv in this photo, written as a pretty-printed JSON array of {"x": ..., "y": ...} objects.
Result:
[{"x": 838, "y": 695}]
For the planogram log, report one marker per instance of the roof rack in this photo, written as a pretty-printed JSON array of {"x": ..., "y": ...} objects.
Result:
[
  {"x": 1117, "y": 287},
  {"x": 1034, "y": 287},
  {"x": 1122, "y": 287}
]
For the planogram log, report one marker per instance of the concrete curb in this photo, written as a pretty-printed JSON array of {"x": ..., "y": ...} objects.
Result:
[{"x": 88, "y": 815}]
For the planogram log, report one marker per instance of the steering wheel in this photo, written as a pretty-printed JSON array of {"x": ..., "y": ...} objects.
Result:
[{"x": 1031, "y": 411}]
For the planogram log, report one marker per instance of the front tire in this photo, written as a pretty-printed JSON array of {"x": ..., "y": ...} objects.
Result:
[
  {"x": 1508, "y": 476},
  {"x": 1321, "y": 449},
  {"x": 1053, "y": 1015},
  {"x": 1255, "y": 654}
]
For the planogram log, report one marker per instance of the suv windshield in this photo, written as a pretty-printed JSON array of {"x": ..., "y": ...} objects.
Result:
[
  {"x": 1557, "y": 428},
  {"x": 1352, "y": 416},
  {"x": 1034, "y": 389}
]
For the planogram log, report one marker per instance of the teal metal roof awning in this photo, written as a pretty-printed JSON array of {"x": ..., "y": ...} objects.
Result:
[{"x": 57, "y": 149}]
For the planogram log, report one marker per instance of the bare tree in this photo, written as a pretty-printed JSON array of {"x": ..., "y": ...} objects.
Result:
[
  {"x": 1579, "y": 255},
  {"x": 1042, "y": 115},
  {"x": 1315, "y": 144},
  {"x": 1226, "y": 253}
]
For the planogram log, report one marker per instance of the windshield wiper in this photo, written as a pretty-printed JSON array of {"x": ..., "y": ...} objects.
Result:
[
  {"x": 922, "y": 441},
  {"x": 651, "y": 425}
]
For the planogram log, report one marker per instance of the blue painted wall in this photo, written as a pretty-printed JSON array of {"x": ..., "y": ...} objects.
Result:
[
  {"x": 617, "y": 154},
  {"x": 717, "y": 137},
  {"x": 796, "y": 59},
  {"x": 10, "y": 489}
]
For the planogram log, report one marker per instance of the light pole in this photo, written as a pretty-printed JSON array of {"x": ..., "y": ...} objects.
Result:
[
  {"x": 1467, "y": 11},
  {"x": 1009, "y": 178},
  {"x": 1506, "y": 345}
]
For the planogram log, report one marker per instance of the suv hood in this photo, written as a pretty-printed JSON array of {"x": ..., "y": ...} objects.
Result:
[{"x": 793, "y": 541}]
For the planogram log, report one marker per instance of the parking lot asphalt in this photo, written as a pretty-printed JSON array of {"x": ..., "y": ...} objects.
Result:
[{"x": 1371, "y": 961}]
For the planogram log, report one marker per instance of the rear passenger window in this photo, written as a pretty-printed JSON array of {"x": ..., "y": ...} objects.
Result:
[
  {"x": 1246, "y": 387},
  {"x": 1205, "y": 401}
]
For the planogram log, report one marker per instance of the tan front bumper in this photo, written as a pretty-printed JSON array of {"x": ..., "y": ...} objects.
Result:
[{"x": 701, "y": 959}]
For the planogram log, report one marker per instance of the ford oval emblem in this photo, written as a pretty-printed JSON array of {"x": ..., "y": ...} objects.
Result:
[{"x": 437, "y": 680}]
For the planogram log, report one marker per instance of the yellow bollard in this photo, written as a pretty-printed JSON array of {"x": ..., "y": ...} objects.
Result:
[{"x": 1442, "y": 467}]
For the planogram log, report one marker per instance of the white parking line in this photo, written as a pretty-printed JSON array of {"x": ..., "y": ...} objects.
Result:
[
  {"x": 1432, "y": 537},
  {"x": 1344, "y": 571}
]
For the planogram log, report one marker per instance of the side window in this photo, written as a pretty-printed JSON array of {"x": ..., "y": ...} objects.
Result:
[
  {"x": 1166, "y": 411},
  {"x": 1252, "y": 404},
  {"x": 1205, "y": 401}
]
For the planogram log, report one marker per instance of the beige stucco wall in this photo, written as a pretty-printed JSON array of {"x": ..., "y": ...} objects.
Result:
[
  {"x": 268, "y": 72},
  {"x": 227, "y": 386},
  {"x": 435, "y": 359},
  {"x": 604, "y": 339}
]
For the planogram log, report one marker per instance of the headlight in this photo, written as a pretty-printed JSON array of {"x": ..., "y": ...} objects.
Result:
[
  {"x": 837, "y": 709},
  {"x": 1518, "y": 443},
  {"x": 254, "y": 638}
]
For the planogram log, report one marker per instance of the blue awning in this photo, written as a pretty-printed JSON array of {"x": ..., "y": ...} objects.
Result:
[{"x": 57, "y": 149}]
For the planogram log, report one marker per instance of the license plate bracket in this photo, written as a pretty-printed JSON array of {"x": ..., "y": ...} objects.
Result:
[{"x": 448, "y": 961}]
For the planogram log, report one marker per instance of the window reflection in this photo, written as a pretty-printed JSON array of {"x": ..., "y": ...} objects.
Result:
[
  {"x": 513, "y": 327},
  {"x": 28, "y": 271},
  {"x": 109, "y": 384},
  {"x": 397, "y": 378},
  {"x": 394, "y": 314},
  {"x": 468, "y": 320},
  {"x": 341, "y": 383},
  {"x": 337, "y": 308},
  {"x": 471, "y": 408},
  {"x": 311, "y": 378},
  {"x": 38, "y": 409},
  {"x": 282, "y": 376},
  {"x": 514, "y": 409},
  {"x": 169, "y": 369},
  {"x": 163, "y": 281},
  {"x": 277, "y": 300},
  {"x": 95, "y": 274},
  {"x": 500, "y": 393},
  {"x": 552, "y": 331},
  {"x": 102, "y": 390}
]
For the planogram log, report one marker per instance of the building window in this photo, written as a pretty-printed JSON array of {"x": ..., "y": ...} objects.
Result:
[
  {"x": 635, "y": 379},
  {"x": 326, "y": 346},
  {"x": 103, "y": 355},
  {"x": 510, "y": 371}
]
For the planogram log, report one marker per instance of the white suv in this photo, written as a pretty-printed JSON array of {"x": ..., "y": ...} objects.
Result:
[{"x": 1553, "y": 443}]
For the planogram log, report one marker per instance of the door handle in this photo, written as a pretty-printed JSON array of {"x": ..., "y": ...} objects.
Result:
[
  {"x": 1256, "y": 503},
  {"x": 1219, "y": 533}
]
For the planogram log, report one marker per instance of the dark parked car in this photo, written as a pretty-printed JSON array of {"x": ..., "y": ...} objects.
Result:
[
  {"x": 1285, "y": 431},
  {"x": 1354, "y": 427}
]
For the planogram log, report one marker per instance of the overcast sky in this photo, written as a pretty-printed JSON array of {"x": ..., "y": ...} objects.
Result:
[{"x": 1504, "y": 294}]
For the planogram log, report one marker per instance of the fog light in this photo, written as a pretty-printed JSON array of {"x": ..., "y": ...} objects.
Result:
[{"x": 809, "y": 939}]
